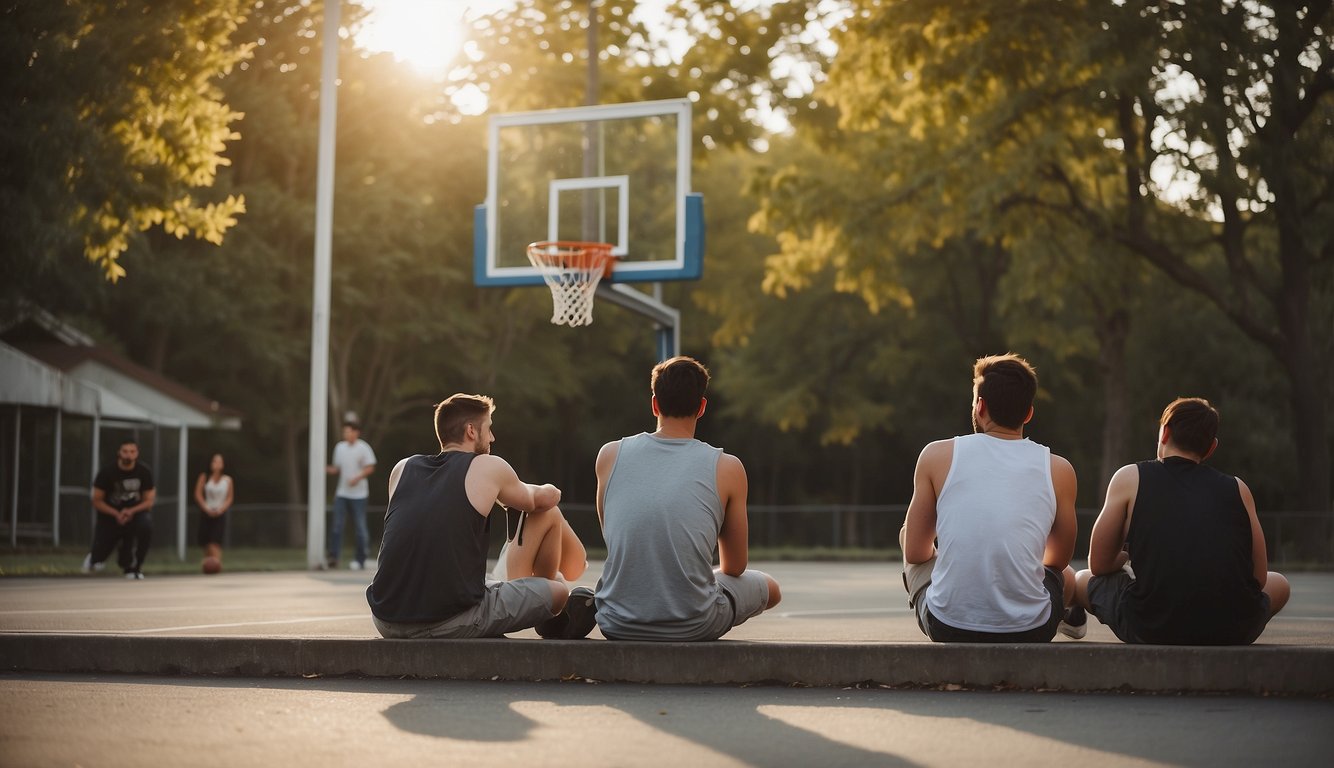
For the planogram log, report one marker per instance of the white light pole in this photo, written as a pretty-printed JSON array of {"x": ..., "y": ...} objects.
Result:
[{"x": 319, "y": 310}]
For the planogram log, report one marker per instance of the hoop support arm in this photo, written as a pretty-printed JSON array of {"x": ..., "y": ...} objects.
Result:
[{"x": 667, "y": 318}]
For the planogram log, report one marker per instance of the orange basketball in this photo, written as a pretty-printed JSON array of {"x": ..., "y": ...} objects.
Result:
[{"x": 211, "y": 565}]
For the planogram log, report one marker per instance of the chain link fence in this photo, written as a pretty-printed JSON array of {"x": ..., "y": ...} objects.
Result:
[{"x": 1293, "y": 537}]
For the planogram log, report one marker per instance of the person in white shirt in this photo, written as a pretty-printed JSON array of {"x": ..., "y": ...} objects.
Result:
[
  {"x": 991, "y": 526},
  {"x": 353, "y": 462}
]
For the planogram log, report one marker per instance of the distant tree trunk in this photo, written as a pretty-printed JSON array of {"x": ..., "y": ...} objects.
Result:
[
  {"x": 852, "y": 531},
  {"x": 296, "y": 516},
  {"x": 158, "y": 337},
  {"x": 1113, "y": 330}
]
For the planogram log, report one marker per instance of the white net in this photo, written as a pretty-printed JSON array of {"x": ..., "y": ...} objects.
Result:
[{"x": 572, "y": 271}]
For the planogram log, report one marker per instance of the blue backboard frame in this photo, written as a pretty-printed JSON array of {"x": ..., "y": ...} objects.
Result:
[{"x": 688, "y": 261}]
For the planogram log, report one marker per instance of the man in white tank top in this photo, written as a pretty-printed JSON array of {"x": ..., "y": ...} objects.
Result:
[{"x": 990, "y": 529}]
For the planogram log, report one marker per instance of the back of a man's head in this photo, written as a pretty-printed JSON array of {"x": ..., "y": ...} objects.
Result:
[
  {"x": 1192, "y": 423},
  {"x": 1008, "y": 385},
  {"x": 456, "y": 412},
  {"x": 679, "y": 385}
]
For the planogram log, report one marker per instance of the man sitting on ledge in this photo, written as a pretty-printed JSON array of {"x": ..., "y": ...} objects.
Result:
[
  {"x": 1003, "y": 510},
  {"x": 431, "y": 580},
  {"x": 666, "y": 501},
  {"x": 1177, "y": 556}
]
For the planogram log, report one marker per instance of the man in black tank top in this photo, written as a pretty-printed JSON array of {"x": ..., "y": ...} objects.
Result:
[
  {"x": 1177, "y": 556},
  {"x": 431, "y": 580}
]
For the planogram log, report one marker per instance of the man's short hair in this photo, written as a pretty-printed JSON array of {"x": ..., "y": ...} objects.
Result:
[
  {"x": 1193, "y": 422},
  {"x": 352, "y": 425},
  {"x": 679, "y": 385},
  {"x": 128, "y": 441},
  {"x": 1008, "y": 384},
  {"x": 456, "y": 412}
]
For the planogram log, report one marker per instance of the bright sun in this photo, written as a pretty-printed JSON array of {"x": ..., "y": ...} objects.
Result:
[{"x": 423, "y": 33}]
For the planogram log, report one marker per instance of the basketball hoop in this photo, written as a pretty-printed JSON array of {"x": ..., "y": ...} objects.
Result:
[{"x": 572, "y": 270}]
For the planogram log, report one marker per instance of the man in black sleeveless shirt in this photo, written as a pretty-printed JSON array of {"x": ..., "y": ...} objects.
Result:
[
  {"x": 431, "y": 580},
  {"x": 1177, "y": 556}
]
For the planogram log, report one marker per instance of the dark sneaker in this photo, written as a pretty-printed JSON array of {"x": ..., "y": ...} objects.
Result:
[
  {"x": 575, "y": 621},
  {"x": 1075, "y": 623}
]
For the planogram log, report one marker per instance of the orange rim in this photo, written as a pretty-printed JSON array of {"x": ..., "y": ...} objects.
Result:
[{"x": 574, "y": 254}]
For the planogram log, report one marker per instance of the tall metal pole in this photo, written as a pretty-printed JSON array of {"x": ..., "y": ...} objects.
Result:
[
  {"x": 319, "y": 310},
  {"x": 591, "y": 229},
  {"x": 182, "y": 490},
  {"x": 55, "y": 494}
]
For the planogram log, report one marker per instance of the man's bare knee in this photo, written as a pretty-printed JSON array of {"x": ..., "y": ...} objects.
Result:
[
  {"x": 775, "y": 594},
  {"x": 1082, "y": 588},
  {"x": 1278, "y": 589},
  {"x": 1069, "y": 586},
  {"x": 560, "y": 594}
]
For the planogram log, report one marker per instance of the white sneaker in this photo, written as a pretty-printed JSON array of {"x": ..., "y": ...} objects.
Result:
[
  {"x": 354, "y": 566},
  {"x": 89, "y": 566},
  {"x": 1075, "y": 623}
]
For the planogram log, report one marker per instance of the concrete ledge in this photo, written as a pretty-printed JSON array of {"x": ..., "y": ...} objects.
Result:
[{"x": 1283, "y": 670}]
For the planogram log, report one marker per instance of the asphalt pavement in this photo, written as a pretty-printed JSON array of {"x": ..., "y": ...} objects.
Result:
[
  {"x": 839, "y": 623},
  {"x": 116, "y": 720}
]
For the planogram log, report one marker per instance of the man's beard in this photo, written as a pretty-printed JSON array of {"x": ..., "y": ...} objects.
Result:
[
  {"x": 977, "y": 427},
  {"x": 482, "y": 450}
]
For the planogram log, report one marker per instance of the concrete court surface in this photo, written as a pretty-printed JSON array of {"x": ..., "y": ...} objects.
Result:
[
  {"x": 111, "y": 720},
  {"x": 822, "y": 603}
]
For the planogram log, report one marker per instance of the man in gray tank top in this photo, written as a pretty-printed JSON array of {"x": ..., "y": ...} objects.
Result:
[{"x": 666, "y": 501}]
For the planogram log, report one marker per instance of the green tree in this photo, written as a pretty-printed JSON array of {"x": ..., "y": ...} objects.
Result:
[
  {"x": 1003, "y": 120},
  {"x": 109, "y": 130}
]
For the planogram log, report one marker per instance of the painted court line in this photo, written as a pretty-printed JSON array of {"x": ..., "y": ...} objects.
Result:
[
  {"x": 135, "y": 609},
  {"x": 151, "y": 630},
  {"x": 839, "y": 612}
]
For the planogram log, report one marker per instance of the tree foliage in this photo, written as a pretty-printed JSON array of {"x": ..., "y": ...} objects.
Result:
[
  {"x": 959, "y": 182},
  {"x": 115, "y": 121},
  {"x": 1161, "y": 130}
]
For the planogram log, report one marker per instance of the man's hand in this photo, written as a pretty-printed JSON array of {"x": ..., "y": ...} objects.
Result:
[{"x": 545, "y": 497}]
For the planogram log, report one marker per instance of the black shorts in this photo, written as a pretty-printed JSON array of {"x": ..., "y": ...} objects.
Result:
[
  {"x": 212, "y": 529},
  {"x": 1106, "y": 595},
  {"x": 940, "y": 632}
]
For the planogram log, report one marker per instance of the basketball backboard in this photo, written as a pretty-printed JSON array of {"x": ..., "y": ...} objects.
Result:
[{"x": 614, "y": 173}]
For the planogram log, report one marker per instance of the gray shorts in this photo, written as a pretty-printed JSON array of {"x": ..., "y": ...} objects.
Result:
[
  {"x": 747, "y": 596},
  {"x": 506, "y": 606},
  {"x": 739, "y": 598}
]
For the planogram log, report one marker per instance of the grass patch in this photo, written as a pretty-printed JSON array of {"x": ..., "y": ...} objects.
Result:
[
  {"x": 826, "y": 554},
  {"x": 66, "y": 561}
]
